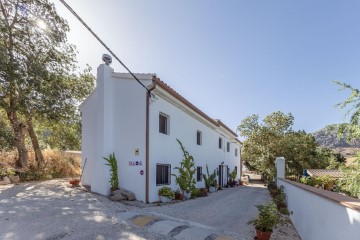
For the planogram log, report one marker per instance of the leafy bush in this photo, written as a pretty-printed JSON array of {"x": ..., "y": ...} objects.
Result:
[
  {"x": 6, "y": 172},
  {"x": 350, "y": 183},
  {"x": 209, "y": 179},
  {"x": 195, "y": 193},
  {"x": 267, "y": 218},
  {"x": 166, "y": 192},
  {"x": 187, "y": 170},
  {"x": 112, "y": 162}
]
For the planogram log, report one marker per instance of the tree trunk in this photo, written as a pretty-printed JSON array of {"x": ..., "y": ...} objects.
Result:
[
  {"x": 35, "y": 143},
  {"x": 19, "y": 129}
]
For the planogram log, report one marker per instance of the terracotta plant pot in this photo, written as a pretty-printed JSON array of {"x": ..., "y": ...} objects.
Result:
[
  {"x": 263, "y": 235},
  {"x": 204, "y": 192},
  {"x": 178, "y": 196},
  {"x": 74, "y": 182}
]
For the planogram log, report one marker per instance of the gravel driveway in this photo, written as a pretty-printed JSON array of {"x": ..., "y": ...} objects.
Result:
[
  {"x": 51, "y": 210},
  {"x": 229, "y": 210}
]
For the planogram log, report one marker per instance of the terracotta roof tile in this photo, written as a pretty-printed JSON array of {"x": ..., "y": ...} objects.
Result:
[{"x": 325, "y": 172}]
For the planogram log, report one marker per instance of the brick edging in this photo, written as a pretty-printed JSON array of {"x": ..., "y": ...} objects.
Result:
[{"x": 346, "y": 201}]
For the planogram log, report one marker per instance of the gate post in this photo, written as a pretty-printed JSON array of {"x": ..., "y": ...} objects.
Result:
[{"x": 280, "y": 167}]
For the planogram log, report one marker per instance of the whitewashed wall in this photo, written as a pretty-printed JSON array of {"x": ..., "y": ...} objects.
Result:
[
  {"x": 164, "y": 149},
  {"x": 89, "y": 139},
  {"x": 317, "y": 217},
  {"x": 129, "y": 130}
]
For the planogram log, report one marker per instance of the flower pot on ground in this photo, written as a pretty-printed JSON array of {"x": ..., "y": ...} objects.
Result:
[
  {"x": 266, "y": 220},
  {"x": 178, "y": 195},
  {"x": 74, "y": 182},
  {"x": 187, "y": 194},
  {"x": 212, "y": 189},
  {"x": 165, "y": 199},
  {"x": 166, "y": 194},
  {"x": 204, "y": 192}
]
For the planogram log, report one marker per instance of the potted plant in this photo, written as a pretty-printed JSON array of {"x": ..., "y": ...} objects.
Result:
[
  {"x": 210, "y": 180},
  {"x": 74, "y": 182},
  {"x": 185, "y": 179},
  {"x": 178, "y": 195},
  {"x": 266, "y": 220},
  {"x": 166, "y": 194},
  {"x": 232, "y": 176}
]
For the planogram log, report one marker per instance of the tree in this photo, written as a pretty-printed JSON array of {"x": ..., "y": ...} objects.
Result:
[
  {"x": 352, "y": 104},
  {"x": 36, "y": 71},
  {"x": 273, "y": 138}
]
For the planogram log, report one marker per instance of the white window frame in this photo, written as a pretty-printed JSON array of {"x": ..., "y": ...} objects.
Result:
[
  {"x": 169, "y": 176},
  {"x": 199, "y": 143},
  {"x": 167, "y": 127}
]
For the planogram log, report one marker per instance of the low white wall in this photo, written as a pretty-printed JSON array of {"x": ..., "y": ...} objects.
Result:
[{"x": 321, "y": 217}]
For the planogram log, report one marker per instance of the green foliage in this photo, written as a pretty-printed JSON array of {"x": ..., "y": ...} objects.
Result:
[
  {"x": 267, "y": 218},
  {"x": 37, "y": 66},
  {"x": 273, "y": 138},
  {"x": 6, "y": 172},
  {"x": 112, "y": 162},
  {"x": 185, "y": 179},
  {"x": 209, "y": 179},
  {"x": 195, "y": 193},
  {"x": 166, "y": 192},
  {"x": 352, "y": 106},
  {"x": 6, "y": 133},
  {"x": 233, "y": 175},
  {"x": 350, "y": 183}
]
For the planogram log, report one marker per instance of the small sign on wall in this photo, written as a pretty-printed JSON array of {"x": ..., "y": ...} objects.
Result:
[
  {"x": 137, "y": 152},
  {"x": 142, "y": 172},
  {"x": 135, "y": 163}
]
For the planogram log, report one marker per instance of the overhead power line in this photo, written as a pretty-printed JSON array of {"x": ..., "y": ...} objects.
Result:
[{"x": 102, "y": 43}]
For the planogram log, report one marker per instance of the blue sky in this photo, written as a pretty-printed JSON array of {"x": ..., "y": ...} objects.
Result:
[{"x": 233, "y": 58}]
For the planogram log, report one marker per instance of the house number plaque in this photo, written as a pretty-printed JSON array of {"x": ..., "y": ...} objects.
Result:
[{"x": 135, "y": 163}]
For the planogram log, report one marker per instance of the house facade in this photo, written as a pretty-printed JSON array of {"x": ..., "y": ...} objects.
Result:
[{"x": 141, "y": 128}]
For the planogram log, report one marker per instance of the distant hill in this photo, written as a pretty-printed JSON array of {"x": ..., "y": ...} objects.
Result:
[{"x": 328, "y": 137}]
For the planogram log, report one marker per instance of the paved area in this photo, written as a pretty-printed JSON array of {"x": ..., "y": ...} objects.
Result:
[{"x": 53, "y": 210}]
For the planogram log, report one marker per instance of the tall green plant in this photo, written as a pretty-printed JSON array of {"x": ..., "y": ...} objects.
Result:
[
  {"x": 210, "y": 179},
  {"x": 232, "y": 175},
  {"x": 112, "y": 162},
  {"x": 187, "y": 170},
  {"x": 351, "y": 181}
]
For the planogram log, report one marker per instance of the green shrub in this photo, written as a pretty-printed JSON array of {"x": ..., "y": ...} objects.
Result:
[
  {"x": 195, "y": 193},
  {"x": 267, "y": 218},
  {"x": 112, "y": 162},
  {"x": 185, "y": 179},
  {"x": 166, "y": 192},
  {"x": 209, "y": 179}
]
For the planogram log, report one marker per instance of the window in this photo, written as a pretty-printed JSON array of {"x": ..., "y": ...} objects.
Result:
[
  {"x": 199, "y": 174},
  {"x": 198, "y": 138},
  {"x": 220, "y": 142},
  {"x": 163, "y": 173},
  {"x": 228, "y": 147},
  {"x": 163, "y": 123},
  {"x": 236, "y": 153},
  {"x": 236, "y": 169}
]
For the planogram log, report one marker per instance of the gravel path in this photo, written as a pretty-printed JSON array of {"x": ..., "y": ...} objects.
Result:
[
  {"x": 52, "y": 210},
  {"x": 228, "y": 210}
]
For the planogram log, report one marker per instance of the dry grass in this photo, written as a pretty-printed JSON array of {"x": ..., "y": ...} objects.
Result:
[{"x": 57, "y": 164}]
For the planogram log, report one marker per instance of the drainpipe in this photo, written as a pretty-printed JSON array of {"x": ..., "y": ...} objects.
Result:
[{"x": 148, "y": 96}]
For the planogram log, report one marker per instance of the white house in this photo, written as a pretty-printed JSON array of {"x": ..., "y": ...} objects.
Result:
[{"x": 141, "y": 129}]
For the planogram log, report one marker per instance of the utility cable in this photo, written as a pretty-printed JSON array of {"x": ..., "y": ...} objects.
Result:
[{"x": 102, "y": 43}]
